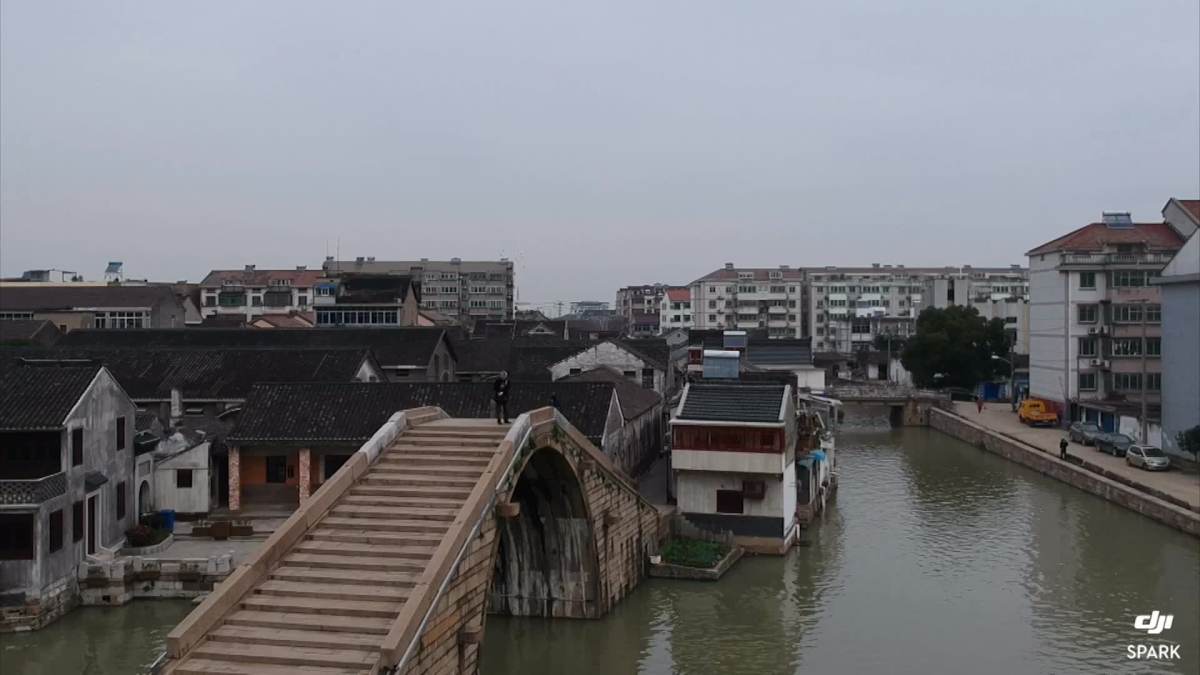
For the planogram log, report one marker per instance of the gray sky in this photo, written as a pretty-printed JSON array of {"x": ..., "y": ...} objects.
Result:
[{"x": 597, "y": 144}]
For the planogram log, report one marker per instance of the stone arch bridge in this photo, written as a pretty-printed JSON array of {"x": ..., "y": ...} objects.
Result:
[{"x": 394, "y": 563}]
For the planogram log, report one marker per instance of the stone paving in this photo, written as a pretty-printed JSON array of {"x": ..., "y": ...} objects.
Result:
[{"x": 999, "y": 417}]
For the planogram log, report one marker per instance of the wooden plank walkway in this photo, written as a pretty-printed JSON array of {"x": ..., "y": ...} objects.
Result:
[{"x": 326, "y": 607}]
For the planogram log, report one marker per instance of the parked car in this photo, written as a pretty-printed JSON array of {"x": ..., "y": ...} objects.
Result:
[
  {"x": 1147, "y": 457},
  {"x": 1034, "y": 412},
  {"x": 1084, "y": 432},
  {"x": 1113, "y": 444}
]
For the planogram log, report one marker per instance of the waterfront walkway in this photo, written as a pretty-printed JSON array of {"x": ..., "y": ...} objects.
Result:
[{"x": 1000, "y": 418}]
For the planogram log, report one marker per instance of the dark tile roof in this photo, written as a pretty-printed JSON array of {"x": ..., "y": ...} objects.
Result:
[
  {"x": 351, "y": 413},
  {"x": 634, "y": 398},
  {"x": 93, "y": 480},
  {"x": 257, "y": 277},
  {"x": 1096, "y": 236},
  {"x": 29, "y": 332},
  {"x": 391, "y": 346},
  {"x": 780, "y": 352},
  {"x": 732, "y": 403},
  {"x": 654, "y": 351},
  {"x": 715, "y": 339},
  {"x": 39, "y": 397},
  {"x": 17, "y": 297},
  {"x": 375, "y": 288},
  {"x": 752, "y": 377},
  {"x": 222, "y": 374},
  {"x": 527, "y": 358}
]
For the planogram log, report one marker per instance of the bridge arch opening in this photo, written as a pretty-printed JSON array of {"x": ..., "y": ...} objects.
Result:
[{"x": 546, "y": 562}]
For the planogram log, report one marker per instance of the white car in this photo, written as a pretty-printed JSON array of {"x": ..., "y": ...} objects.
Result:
[{"x": 1147, "y": 457}]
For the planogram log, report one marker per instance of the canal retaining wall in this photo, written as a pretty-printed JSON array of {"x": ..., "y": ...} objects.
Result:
[{"x": 1050, "y": 465}]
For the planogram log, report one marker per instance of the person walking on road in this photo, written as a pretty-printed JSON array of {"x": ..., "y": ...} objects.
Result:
[
  {"x": 500, "y": 396},
  {"x": 979, "y": 404},
  {"x": 1062, "y": 449}
]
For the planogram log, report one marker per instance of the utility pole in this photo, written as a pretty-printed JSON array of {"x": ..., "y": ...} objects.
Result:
[{"x": 1145, "y": 432}]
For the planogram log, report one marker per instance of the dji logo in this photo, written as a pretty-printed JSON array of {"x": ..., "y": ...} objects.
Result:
[{"x": 1154, "y": 623}]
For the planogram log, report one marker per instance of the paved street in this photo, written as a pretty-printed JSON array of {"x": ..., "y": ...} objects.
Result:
[{"x": 999, "y": 417}]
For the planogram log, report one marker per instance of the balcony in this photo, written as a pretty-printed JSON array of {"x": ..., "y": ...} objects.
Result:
[
  {"x": 32, "y": 491},
  {"x": 1118, "y": 259}
]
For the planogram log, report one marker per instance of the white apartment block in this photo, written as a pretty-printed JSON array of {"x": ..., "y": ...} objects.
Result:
[
  {"x": 460, "y": 289},
  {"x": 750, "y": 298},
  {"x": 850, "y": 306},
  {"x": 675, "y": 309},
  {"x": 253, "y": 292},
  {"x": 1095, "y": 313},
  {"x": 640, "y": 306}
]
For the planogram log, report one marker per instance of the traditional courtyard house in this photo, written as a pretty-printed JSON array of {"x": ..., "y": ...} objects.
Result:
[
  {"x": 290, "y": 438},
  {"x": 733, "y": 456},
  {"x": 639, "y": 440},
  {"x": 646, "y": 362},
  {"x": 83, "y": 305},
  {"x": 66, "y": 476},
  {"x": 29, "y": 333}
]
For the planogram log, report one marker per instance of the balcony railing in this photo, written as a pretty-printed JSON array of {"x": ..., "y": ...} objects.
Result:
[
  {"x": 34, "y": 490},
  {"x": 1090, "y": 259}
]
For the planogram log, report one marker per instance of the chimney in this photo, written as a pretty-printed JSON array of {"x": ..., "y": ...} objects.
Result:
[
  {"x": 875, "y": 265},
  {"x": 176, "y": 406},
  {"x": 785, "y": 267},
  {"x": 371, "y": 258},
  {"x": 328, "y": 258},
  {"x": 249, "y": 268},
  {"x": 358, "y": 260},
  {"x": 301, "y": 268},
  {"x": 728, "y": 265}
]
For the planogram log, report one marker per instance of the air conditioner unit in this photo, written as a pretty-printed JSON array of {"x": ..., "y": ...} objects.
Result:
[
  {"x": 1106, "y": 364},
  {"x": 754, "y": 489},
  {"x": 1091, "y": 331},
  {"x": 1096, "y": 362}
]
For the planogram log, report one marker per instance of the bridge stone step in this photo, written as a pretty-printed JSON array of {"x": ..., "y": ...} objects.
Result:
[
  {"x": 332, "y": 624},
  {"x": 457, "y": 494},
  {"x": 381, "y": 525},
  {"x": 453, "y": 441},
  {"x": 352, "y": 660},
  {"x": 295, "y": 637},
  {"x": 427, "y": 458},
  {"x": 356, "y": 592},
  {"x": 349, "y": 562},
  {"x": 203, "y": 666},
  {"x": 418, "y": 479},
  {"x": 496, "y": 433},
  {"x": 411, "y": 513},
  {"x": 382, "y": 582},
  {"x": 374, "y": 537},
  {"x": 415, "y": 502},
  {"x": 415, "y": 553},
  {"x": 326, "y": 605},
  {"x": 403, "y": 467}
]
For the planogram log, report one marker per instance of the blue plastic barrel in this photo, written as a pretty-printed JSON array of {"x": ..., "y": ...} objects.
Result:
[{"x": 168, "y": 519}]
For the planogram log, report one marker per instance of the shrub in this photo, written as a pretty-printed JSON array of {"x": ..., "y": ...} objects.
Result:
[
  {"x": 1189, "y": 441},
  {"x": 694, "y": 552},
  {"x": 144, "y": 535}
]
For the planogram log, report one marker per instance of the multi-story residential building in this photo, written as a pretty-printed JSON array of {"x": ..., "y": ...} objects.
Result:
[
  {"x": 640, "y": 306},
  {"x": 66, "y": 482},
  {"x": 252, "y": 292},
  {"x": 1180, "y": 282},
  {"x": 465, "y": 290},
  {"x": 750, "y": 298},
  {"x": 581, "y": 308},
  {"x": 850, "y": 306},
  {"x": 1095, "y": 319},
  {"x": 73, "y": 305},
  {"x": 368, "y": 300},
  {"x": 675, "y": 310}
]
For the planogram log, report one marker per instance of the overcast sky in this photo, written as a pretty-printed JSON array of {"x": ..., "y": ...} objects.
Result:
[{"x": 597, "y": 144}]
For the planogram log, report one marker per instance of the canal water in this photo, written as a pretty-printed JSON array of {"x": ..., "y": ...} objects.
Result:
[{"x": 935, "y": 557}]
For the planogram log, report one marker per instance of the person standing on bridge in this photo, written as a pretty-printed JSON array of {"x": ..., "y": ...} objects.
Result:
[{"x": 500, "y": 396}]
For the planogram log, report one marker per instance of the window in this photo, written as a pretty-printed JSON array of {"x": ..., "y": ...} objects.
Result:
[
  {"x": 1127, "y": 381},
  {"x": 1127, "y": 347},
  {"x": 56, "y": 530},
  {"x": 1087, "y": 382},
  {"x": 1154, "y": 381},
  {"x": 121, "y": 500},
  {"x": 120, "y": 433},
  {"x": 729, "y": 501},
  {"x": 1088, "y": 313},
  {"x": 629, "y": 373},
  {"x": 1087, "y": 346},
  {"x": 712, "y": 304},
  {"x": 712, "y": 318},
  {"x": 183, "y": 478},
  {"x": 1153, "y": 346},
  {"x": 1128, "y": 278},
  {"x": 77, "y": 446},
  {"x": 77, "y": 521},
  {"x": 16, "y": 536},
  {"x": 1087, "y": 279},
  {"x": 648, "y": 378}
]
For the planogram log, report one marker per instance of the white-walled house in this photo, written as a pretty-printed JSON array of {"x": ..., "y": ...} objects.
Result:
[{"x": 639, "y": 360}]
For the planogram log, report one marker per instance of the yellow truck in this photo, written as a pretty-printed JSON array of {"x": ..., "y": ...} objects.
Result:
[{"x": 1035, "y": 412}]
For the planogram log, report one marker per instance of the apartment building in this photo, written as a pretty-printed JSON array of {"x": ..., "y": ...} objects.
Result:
[
  {"x": 464, "y": 290},
  {"x": 640, "y": 306},
  {"x": 850, "y": 306},
  {"x": 74, "y": 305},
  {"x": 251, "y": 292},
  {"x": 675, "y": 309},
  {"x": 368, "y": 300},
  {"x": 750, "y": 298},
  {"x": 1095, "y": 318}
]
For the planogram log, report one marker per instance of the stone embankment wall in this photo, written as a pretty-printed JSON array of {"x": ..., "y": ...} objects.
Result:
[
  {"x": 1050, "y": 465},
  {"x": 116, "y": 582}
]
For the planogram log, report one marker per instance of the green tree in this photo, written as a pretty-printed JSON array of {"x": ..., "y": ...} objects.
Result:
[
  {"x": 957, "y": 343},
  {"x": 1189, "y": 440}
]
